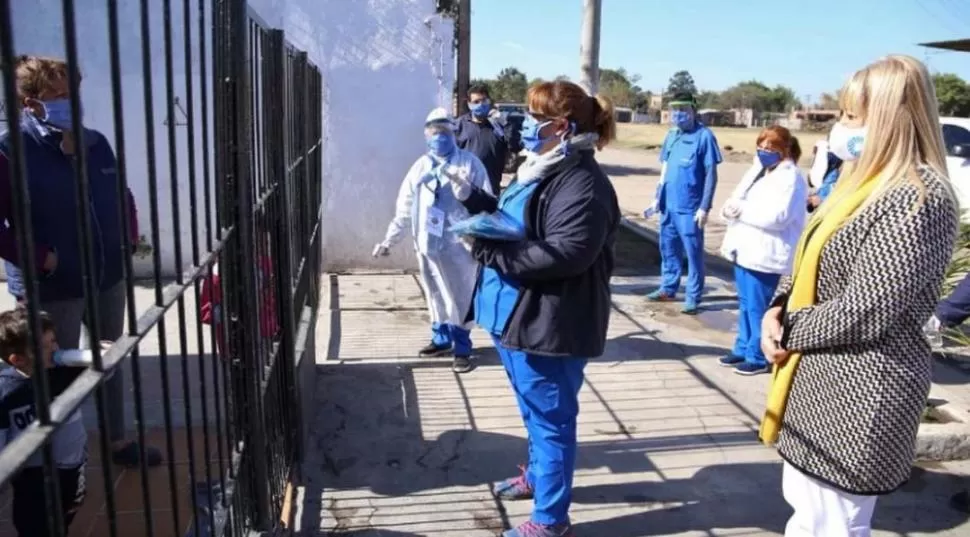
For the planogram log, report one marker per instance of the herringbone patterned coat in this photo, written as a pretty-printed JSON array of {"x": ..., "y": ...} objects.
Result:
[{"x": 864, "y": 377}]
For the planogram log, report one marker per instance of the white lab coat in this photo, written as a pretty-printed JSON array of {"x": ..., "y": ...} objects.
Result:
[
  {"x": 773, "y": 213},
  {"x": 448, "y": 271}
]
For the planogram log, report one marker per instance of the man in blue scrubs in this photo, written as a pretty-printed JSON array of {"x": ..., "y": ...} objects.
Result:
[
  {"x": 481, "y": 134},
  {"x": 689, "y": 158}
]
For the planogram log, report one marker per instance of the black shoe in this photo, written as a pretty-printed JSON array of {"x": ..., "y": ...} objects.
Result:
[
  {"x": 730, "y": 360},
  {"x": 462, "y": 364},
  {"x": 431, "y": 350},
  {"x": 130, "y": 456}
]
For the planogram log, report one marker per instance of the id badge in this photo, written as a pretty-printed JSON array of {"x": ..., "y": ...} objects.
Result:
[{"x": 435, "y": 222}]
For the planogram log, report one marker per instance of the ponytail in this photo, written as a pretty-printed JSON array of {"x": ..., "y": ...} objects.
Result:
[{"x": 604, "y": 121}]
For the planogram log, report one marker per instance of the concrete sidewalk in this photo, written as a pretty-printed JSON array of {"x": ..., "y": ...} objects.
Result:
[{"x": 404, "y": 447}]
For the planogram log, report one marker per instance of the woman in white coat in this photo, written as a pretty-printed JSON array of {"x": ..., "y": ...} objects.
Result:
[
  {"x": 426, "y": 204},
  {"x": 765, "y": 214}
]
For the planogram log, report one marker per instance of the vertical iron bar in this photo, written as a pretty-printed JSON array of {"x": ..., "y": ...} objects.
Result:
[
  {"x": 114, "y": 48},
  {"x": 174, "y": 194},
  {"x": 86, "y": 245},
  {"x": 194, "y": 225},
  {"x": 210, "y": 231},
  {"x": 156, "y": 252},
  {"x": 284, "y": 286},
  {"x": 25, "y": 241},
  {"x": 249, "y": 331},
  {"x": 221, "y": 91}
]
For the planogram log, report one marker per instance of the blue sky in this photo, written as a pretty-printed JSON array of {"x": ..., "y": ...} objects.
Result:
[{"x": 810, "y": 46}]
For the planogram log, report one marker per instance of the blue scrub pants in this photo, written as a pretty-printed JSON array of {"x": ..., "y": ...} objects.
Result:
[
  {"x": 547, "y": 391},
  {"x": 680, "y": 235},
  {"x": 448, "y": 335},
  {"x": 955, "y": 308},
  {"x": 755, "y": 290}
]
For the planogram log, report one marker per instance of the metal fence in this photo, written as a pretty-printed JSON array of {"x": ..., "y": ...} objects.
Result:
[{"x": 246, "y": 159}]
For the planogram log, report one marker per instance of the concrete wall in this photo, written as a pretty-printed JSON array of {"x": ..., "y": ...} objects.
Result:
[{"x": 383, "y": 68}]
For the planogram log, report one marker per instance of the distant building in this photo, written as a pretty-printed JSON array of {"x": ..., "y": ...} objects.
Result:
[
  {"x": 656, "y": 102},
  {"x": 623, "y": 114}
]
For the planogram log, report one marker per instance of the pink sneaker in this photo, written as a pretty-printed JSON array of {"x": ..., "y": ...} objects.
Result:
[
  {"x": 515, "y": 488},
  {"x": 532, "y": 529}
]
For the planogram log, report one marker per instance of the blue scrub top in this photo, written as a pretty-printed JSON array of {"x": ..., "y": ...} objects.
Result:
[{"x": 692, "y": 158}]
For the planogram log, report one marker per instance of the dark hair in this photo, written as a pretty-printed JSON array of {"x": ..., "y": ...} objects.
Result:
[
  {"x": 480, "y": 89},
  {"x": 14, "y": 333},
  {"x": 564, "y": 99},
  {"x": 796, "y": 150}
]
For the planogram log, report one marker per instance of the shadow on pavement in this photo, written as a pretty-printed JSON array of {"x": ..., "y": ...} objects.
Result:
[
  {"x": 619, "y": 170},
  {"x": 372, "y": 445}
]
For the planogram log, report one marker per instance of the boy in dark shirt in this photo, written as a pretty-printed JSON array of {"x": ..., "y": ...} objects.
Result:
[{"x": 17, "y": 412}]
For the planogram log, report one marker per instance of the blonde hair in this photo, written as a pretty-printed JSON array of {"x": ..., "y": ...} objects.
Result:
[
  {"x": 37, "y": 74},
  {"x": 897, "y": 101}
]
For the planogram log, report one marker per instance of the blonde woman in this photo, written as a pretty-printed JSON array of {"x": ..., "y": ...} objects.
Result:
[{"x": 852, "y": 368}]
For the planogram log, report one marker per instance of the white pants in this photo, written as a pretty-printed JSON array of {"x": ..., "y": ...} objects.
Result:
[{"x": 823, "y": 511}]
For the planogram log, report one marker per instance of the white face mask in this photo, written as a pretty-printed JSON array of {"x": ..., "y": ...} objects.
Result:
[{"x": 847, "y": 142}]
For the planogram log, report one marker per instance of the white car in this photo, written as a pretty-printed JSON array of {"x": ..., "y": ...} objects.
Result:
[{"x": 956, "y": 138}]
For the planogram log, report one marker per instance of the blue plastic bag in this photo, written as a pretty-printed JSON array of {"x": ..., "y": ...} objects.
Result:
[{"x": 498, "y": 226}]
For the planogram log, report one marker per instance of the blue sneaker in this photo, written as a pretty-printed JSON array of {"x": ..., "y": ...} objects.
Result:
[
  {"x": 532, "y": 529},
  {"x": 661, "y": 296},
  {"x": 730, "y": 360},
  {"x": 748, "y": 369},
  {"x": 690, "y": 307}
]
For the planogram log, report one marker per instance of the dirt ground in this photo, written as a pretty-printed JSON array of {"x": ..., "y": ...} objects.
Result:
[{"x": 736, "y": 143}]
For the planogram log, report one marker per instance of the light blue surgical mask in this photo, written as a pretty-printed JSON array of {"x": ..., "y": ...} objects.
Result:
[
  {"x": 57, "y": 114},
  {"x": 441, "y": 144},
  {"x": 480, "y": 109},
  {"x": 531, "y": 139},
  {"x": 768, "y": 158},
  {"x": 682, "y": 119}
]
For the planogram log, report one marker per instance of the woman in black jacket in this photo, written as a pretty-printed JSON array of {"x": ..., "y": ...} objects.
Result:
[{"x": 546, "y": 298}]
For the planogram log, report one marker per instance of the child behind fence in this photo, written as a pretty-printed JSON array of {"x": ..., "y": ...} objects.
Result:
[{"x": 17, "y": 412}]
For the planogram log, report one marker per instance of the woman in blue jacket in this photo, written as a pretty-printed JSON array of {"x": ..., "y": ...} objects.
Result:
[
  {"x": 545, "y": 299},
  {"x": 50, "y": 146}
]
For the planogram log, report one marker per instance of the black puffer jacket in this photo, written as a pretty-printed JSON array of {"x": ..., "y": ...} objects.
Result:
[{"x": 563, "y": 266}]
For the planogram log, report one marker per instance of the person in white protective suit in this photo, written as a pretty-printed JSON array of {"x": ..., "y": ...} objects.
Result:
[{"x": 427, "y": 203}]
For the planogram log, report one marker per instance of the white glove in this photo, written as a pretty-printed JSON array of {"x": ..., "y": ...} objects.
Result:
[
  {"x": 700, "y": 218},
  {"x": 652, "y": 210},
  {"x": 380, "y": 250},
  {"x": 458, "y": 179},
  {"x": 731, "y": 210}
]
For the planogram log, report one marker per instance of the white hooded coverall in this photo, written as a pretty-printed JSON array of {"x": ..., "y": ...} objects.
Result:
[{"x": 448, "y": 271}]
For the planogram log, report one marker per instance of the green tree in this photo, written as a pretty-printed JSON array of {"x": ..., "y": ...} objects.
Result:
[
  {"x": 680, "y": 81},
  {"x": 759, "y": 97},
  {"x": 953, "y": 94},
  {"x": 619, "y": 86},
  {"x": 510, "y": 86},
  {"x": 708, "y": 99}
]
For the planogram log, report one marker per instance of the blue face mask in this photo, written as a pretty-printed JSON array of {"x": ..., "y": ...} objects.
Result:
[
  {"x": 682, "y": 119},
  {"x": 441, "y": 144},
  {"x": 58, "y": 114},
  {"x": 480, "y": 109},
  {"x": 768, "y": 158},
  {"x": 531, "y": 139}
]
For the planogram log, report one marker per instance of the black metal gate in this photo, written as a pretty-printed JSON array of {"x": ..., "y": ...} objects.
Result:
[{"x": 243, "y": 159}]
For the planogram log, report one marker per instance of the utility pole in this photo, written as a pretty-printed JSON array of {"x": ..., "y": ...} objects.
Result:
[
  {"x": 463, "y": 74},
  {"x": 589, "y": 51}
]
